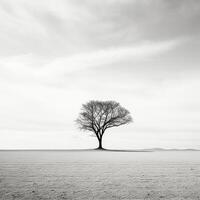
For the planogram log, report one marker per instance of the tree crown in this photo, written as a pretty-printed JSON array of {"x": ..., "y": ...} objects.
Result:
[{"x": 97, "y": 116}]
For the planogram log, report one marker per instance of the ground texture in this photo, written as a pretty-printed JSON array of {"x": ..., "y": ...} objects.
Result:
[{"x": 97, "y": 175}]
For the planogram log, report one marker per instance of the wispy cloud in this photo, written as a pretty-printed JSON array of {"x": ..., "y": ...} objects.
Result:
[
  {"x": 61, "y": 28},
  {"x": 30, "y": 68},
  {"x": 55, "y": 55},
  {"x": 104, "y": 57}
]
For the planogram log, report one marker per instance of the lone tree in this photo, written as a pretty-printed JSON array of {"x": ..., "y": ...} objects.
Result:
[{"x": 97, "y": 116}]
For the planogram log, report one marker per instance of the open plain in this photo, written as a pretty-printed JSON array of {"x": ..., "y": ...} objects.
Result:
[{"x": 94, "y": 174}]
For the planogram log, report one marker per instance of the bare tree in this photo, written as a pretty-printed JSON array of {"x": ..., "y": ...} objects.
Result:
[{"x": 97, "y": 116}]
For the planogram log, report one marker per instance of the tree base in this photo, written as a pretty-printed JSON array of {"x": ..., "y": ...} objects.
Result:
[{"x": 100, "y": 148}]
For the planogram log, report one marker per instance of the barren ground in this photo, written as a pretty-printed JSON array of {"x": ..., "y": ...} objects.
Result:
[{"x": 97, "y": 175}]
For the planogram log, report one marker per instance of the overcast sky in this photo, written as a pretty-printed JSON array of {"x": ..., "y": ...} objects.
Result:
[{"x": 57, "y": 54}]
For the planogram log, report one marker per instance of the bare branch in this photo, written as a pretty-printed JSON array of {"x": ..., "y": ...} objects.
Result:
[{"x": 97, "y": 116}]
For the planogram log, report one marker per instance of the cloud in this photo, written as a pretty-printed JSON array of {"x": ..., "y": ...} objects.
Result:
[
  {"x": 30, "y": 68},
  {"x": 52, "y": 29},
  {"x": 105, "y": 57},
  {"x": 56, "y": 55}
]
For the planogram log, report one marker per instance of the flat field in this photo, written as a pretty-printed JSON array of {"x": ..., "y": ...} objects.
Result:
[{"x": 97, "y": 175}]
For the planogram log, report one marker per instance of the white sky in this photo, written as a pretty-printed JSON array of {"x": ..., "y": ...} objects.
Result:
[{"x": 57, "y": 54}]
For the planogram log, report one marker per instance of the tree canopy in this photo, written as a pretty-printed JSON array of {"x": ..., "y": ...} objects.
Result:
[{"x": 97, "y": 116}]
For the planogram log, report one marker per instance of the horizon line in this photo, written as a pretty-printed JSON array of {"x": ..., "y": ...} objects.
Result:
[{"x": 125, "y": 150}]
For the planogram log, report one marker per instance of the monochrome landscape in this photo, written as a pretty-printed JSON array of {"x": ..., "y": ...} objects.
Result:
[{"x": 99, "y": 99}]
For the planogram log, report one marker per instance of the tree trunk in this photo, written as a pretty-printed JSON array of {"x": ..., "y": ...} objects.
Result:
[{"x": 100, "y": 144}]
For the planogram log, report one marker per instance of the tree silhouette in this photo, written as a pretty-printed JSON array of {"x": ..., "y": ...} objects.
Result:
[{"x": 97, "y": 116}]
